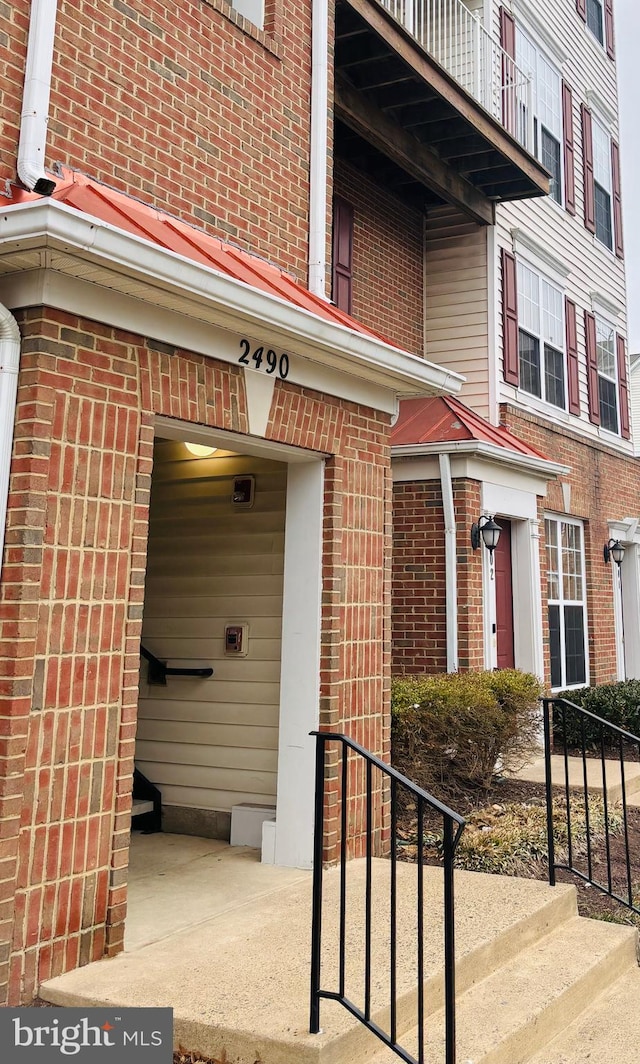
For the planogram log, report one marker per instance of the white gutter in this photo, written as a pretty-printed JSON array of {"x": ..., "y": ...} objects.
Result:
[
  {"x": 130, "y": 260},
  {"x": 489, "y": 451},
  {"x": 318, "y": 153},
  {"x": 450, "y": 563},
  {"x": 35, "y": 99},
  {"x": 9, "y": 362}
]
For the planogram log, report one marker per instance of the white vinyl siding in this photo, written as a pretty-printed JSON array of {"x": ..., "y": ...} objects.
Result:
[
  {"x": 593, "y": 273},
  {"x": 212, "y": 743},
  {"x": 456, "y": 301}
]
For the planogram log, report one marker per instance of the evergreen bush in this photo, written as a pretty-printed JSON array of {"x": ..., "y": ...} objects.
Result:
[
  {"x": 617, "y": 703},
  {"x": 451, "y": 728}
]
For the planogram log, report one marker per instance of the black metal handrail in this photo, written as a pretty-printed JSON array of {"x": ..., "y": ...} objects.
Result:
[
  {"x": 453, "y": 825},
  {"x": 158, "y": 670},
  {"x": 610, "y": 739}
]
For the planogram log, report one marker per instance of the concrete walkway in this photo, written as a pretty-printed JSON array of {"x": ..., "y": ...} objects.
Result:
[{"x": 535, "y": 773}]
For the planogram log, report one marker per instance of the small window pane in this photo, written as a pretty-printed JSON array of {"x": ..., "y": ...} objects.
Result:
[
  {"x": 528, "y": 299},
  {"x": 554, "y": 376},
  {"x": 574, "y": 644},
  {"x": 549, "y": 104},
  {"x": 530, "y": 379},
  {"x": 552, "y": 321},
  {"x": 605, "y": 348},
  {"x": 601, "y": 156},
  {"x": 604, "y": 230},
  {"x": 555, "y": 646},
  {"x": 608, "y": 404},
  {"x": 595, "y": 19},
  {"x": 550, "y": 159}
]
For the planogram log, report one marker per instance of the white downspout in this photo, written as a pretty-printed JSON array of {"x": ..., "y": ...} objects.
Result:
[
  {"x": 35, "y": 100},
  {"x": 450, "y": 563},
  {"x": 9, "y": 362},
  {"x": 318, "y": 154}
]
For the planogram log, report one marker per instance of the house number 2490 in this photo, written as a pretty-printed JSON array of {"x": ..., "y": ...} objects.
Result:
[{"x": 267, "y": 360}]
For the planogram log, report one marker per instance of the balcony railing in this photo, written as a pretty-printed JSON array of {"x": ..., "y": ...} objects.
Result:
[{"x": 458, "y": 41}]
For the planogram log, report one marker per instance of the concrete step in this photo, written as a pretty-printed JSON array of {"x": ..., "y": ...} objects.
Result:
[
  {"x": 608, "y": 1030},
  {"x": 239, "y": 982},
  {"x": 523, "y": 1005},
  {"x": 534, "y": 772},
  {"x": 140, "y": 806}
]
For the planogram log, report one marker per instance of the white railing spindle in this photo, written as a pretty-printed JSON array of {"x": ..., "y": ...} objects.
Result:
[{"x": 458, "y": 41}]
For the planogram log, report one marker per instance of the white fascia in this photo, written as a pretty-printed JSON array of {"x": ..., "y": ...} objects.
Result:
[
  {"x": 165, "y": 278},
  {"x": 491, "y": 452}
]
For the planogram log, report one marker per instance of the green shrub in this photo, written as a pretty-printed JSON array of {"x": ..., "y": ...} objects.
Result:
[
  {"x": 617, "y": 703},
  {"x": 453, "y": 727}
]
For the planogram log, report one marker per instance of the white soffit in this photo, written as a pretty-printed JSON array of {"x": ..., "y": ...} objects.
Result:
[
  {"x": 52, "y": 237},
  {"x": 485, "y": 452}
]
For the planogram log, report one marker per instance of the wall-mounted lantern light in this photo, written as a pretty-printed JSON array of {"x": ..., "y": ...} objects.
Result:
[
  {"x": 485, "y": 530},
  {"x": 614, "y": 549}
]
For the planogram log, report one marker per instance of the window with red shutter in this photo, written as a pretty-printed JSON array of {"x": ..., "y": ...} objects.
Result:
[
  {"x": 510, "y": 367},
  {"x": 592, "y": 367},
  {"x": 623, "y": 388},
  {"x": 342, "y": 254},
  {"x": 572, "y": 356},
  {"x": 569, "y": 149},
  {"x": 587, "y": 159},
  {"x": 617, "y": 200}
]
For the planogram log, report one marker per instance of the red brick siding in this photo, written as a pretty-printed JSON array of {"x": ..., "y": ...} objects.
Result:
[
  {"x": 419, "y": 619},
  {"x": 184, "y": 106},
  {"x": 387, "y": 259},
  {"x": 71, "y": 605}
]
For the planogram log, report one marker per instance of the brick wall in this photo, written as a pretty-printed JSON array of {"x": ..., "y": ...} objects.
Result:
[
  {"x": 387, "y": 259},
  {"x": 71, "y": 604},
  {"x": 185, "y": 106},
  {"x": 419, "y": 616}
]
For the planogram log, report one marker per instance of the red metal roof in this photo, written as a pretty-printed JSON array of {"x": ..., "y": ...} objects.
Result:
[
  {"x": 104, "y": 203},
  {"x": 443, "y": 419}
]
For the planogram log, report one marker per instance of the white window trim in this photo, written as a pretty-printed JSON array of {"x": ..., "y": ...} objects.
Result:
[
  {"x": 252, "y": 10},
  {"x": 552, "y": 61},
  {"x": 603, "y": 43},
  {"x": 537, "y": 400},
  {"x": 604, "y": 319},
  {"x": 603, "y": 307},
  {"x": 565, "y": 519},
  {"x": 538, "y": 257}
]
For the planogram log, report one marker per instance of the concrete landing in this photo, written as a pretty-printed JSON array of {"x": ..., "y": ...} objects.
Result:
[
  {"x": 596, "y": 781},
  {"x": 237, "y": 976}
]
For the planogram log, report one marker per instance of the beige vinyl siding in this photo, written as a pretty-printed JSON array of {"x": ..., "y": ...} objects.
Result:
[
  {"x": 592, "y": 269},
  {"x": 456, "y": 301},
  {"x": 212, "y": 743}
]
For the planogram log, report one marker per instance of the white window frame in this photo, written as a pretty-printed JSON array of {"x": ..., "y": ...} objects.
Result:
[
  {"x": 604, "y": 325},
  {"x": 601, "y": 40},
  {"x": 559, "y": 520},
  {"x": 542, "y": 279},
  {"x": 253, "y": 10},
  {"x": 603, "y": 172},
  {"x": 532, "y": 67}
]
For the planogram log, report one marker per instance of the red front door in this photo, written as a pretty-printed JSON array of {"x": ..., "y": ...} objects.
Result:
[{"x": 504, "y": 597}]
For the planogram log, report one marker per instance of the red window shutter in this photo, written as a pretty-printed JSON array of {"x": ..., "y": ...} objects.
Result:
[
  {"x": 508, "y": 42},
  {"x": 510, "y": 353},
  {"x": 342, "y": 254},
  {"x": 608, "y": 28},
  {"x": 581, "y": 8},
  {"x": 592, "y": 367},
  {"x": 617, "y": 200},
  {"x": 569, "y": 149},
  {"x": 572, "y": 357},
  {"x": 587, "y": 158},
  {"x": 623, "y": 387}
]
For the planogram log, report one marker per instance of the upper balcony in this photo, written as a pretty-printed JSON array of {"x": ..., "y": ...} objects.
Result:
[{"x": 429, "y": 102}]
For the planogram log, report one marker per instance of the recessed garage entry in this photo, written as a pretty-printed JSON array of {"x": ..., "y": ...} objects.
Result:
[{"x": 213, "y": 597}]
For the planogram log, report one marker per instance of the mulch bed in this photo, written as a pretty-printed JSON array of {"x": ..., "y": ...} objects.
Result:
[{"x": 591, "y": 902}]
